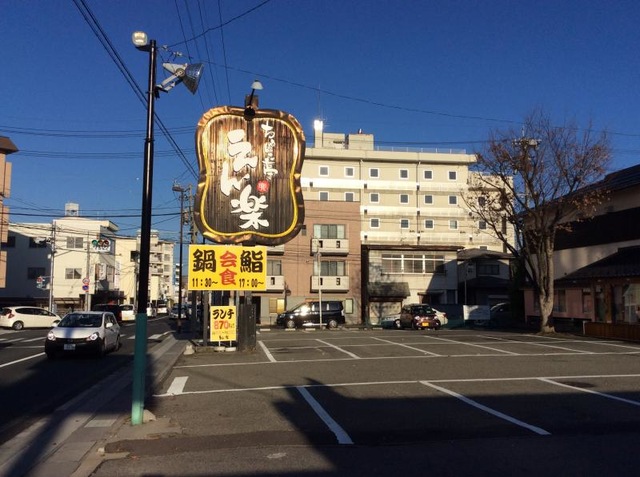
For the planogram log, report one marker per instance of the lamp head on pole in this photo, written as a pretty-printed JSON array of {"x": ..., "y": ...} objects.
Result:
[
  {"x": 251, "y": 101},
  {"x": 140, "y": 40},
  {"x": 187, "y": 74}
]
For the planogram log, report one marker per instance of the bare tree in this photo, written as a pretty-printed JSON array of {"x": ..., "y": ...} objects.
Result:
[{"x": 534, "y": 182}]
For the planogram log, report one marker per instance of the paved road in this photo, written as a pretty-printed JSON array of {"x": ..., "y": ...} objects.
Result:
[
  {"x": 31, "y": 386},
  {"x": 347, "y": 402}
]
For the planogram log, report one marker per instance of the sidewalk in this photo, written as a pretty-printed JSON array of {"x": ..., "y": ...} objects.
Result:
[{"x": 71, "y": 441}]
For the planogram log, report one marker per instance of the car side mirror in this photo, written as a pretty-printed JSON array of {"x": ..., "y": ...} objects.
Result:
[{"x": 109, "y": 325}]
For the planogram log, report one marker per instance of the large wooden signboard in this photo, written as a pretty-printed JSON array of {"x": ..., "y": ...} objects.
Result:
[{"x": 249, "y": 187}]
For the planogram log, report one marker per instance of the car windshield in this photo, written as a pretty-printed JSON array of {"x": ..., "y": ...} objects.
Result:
[
  {"x": 80, "y": 320},
  {"x": 422, "y": 310}
]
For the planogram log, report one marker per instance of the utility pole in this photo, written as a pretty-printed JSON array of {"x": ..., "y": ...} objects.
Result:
[
  {"x": 52, "y": 244},
  {"x": 87, "y": 293}
]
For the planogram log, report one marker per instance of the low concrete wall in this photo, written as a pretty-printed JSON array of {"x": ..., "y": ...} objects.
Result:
[{"x": 621, "y": 331}]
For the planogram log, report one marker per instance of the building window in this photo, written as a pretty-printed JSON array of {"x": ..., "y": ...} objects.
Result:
[
  {"x": 428, "y": 199},
  {"x": 404, "y": 173},
  {"x": 560, "y": 301},
  {"x": 587, "y": 302},
  {"x": 72, "y": 273},
  {"x": 324, "y": 196},
  {"x": 374, "y": 173},
  {"x": 374, "y": 223},
  {"x": 453, "y": 200},
  {"x": 329, "y": 268},
  {"x": 374, "y": 197},
  {"x": 274, "y": 267},
  {"x": 35, "y": 272},
  {"x": 75, "y": 242},
  {"x": 453, "y": 175},
  {"x": 412, "y": 263},
  {"x": 323, "y": 170},
  {"x": 453, "y": 224},
  {"x": 488, "y": 269},
  {"x": 404, "y": 223},
  {"x": 428, "y": 175},
  {"x": 428, "y": 224},
  {"x": 349, "y": 197},
  {"x": 329, "y": 231},
  {"x": 349, "y": 172},
  {"x": 404, "y": 198},
  {"x": 482, "y": 224}
]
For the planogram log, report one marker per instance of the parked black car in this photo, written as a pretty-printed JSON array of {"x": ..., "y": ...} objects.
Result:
[{"x": 307, "y": 314}]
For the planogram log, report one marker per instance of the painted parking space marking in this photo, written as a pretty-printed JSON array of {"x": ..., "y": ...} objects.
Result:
[
  {"x": 177, "y": 386},
  {"x": 31, "y": 340},
  {"x": 349, "y": 353},
  {"x": 590, "y": 391},
  {"x": 493, "y": 412},
  {"x": 473, "y": 344},
  {"x": 3, "y": 365},
  {"x": 408, "y": 347},
  {"x": 267, "y": 352},
  {"x": 338, "y": 431}
]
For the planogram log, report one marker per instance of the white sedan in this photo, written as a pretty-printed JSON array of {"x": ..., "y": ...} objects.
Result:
[{"x": 84, "y": 331}]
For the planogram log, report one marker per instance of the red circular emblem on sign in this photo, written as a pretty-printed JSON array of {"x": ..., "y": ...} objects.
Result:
[{"x": 262, "y": 186}]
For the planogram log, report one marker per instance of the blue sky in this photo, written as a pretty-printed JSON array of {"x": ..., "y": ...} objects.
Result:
[{"x": 413, "y": 73}]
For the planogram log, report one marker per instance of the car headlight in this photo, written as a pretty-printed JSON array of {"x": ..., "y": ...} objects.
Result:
[
  {"x": 94, "y": 336},
  {"x": 51, "y": 336}
]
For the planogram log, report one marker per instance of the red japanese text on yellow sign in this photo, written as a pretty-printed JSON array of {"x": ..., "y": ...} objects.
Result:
[
  {"x": 227, "y": 267},
  {"x": 223, "y": 323}
]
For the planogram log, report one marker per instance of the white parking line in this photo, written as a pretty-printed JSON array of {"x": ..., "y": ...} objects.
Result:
[
  {"x": 354, "y": 356},
  {"x": 177, "y": 386},
  {"x": 267, "y": 352},
  {"x": 20, "y": 360},
  {"x": 482, "y": 407},
  {"x": 339, "y": 432},
  {"x": 39, "y": 338},
  {"x": 472, "y": 344},
  {"x": 407, "y": 346},
  {"x": 591, "y": 391}
]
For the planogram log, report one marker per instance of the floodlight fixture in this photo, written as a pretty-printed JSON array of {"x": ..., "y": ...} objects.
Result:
[
  {"x": 140, "y": 40},
  {"x": 187, "y": 74}
]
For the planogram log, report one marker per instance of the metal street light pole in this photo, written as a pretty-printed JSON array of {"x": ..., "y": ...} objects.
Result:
[
  {"x": 190, "y": 76},
  {"x": 140, "y": 353}
]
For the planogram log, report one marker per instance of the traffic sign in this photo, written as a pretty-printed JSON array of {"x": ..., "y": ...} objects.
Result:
[
  {"x": 85, "y": 287},
  {"x": 85, "y": 281}
]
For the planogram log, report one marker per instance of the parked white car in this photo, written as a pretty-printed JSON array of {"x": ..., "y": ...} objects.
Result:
[
  {"x": 18, "y": 317},
  {"x": 84, "y": 331}
]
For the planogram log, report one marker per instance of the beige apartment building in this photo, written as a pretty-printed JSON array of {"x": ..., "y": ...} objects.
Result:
[{"x": 399, "y": 218}]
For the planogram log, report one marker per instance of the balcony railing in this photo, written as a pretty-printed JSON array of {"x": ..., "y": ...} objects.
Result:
[
  {"x": 275, "y": 283},
  {"x": 330, "y": 283},
  {"x": 330, "y": 246}
]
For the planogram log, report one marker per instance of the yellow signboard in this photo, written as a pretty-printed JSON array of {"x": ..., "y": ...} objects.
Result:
[
  {"x": 223, "y": 323},
  {"x": 227, "y": 267}
]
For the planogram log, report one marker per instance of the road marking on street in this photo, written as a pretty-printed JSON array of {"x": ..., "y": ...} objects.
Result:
[
  {"x": 408, "y": 347},
  {"x": 354, "y": 356},
  {"x": 21, "y": 360},
  {"x": 590, "y": 391},
  {"x": 13, "y": 340},
  {"x": 39, "y": 338},
  {"x": 493, "y": 412},
  {"x": 338, "y": 431},
  {"x": 267, "y": 352},
  {"x": 562, "y": 348},
  {"x": 472, "y": 344},
  {"x": 177, "y": 386}
]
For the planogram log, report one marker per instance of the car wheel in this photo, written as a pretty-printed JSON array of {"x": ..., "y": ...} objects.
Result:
[
  {"x": 18, "y": 325},
  {"x": 332, "y": 324},
  {"x": 290, "y": 324},
  {"x": 397, "y": 325}
]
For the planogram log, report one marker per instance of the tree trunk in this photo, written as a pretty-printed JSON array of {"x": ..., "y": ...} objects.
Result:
[{"x": 546, "y": 288}]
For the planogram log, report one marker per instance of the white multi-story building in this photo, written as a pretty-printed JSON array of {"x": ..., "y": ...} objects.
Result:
[
  {"x": 399, "y": 217},
  {"x": 75, "y": 262}
]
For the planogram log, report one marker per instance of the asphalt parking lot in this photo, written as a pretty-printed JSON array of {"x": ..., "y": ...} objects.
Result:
[{"x": 474, "y": 401}]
